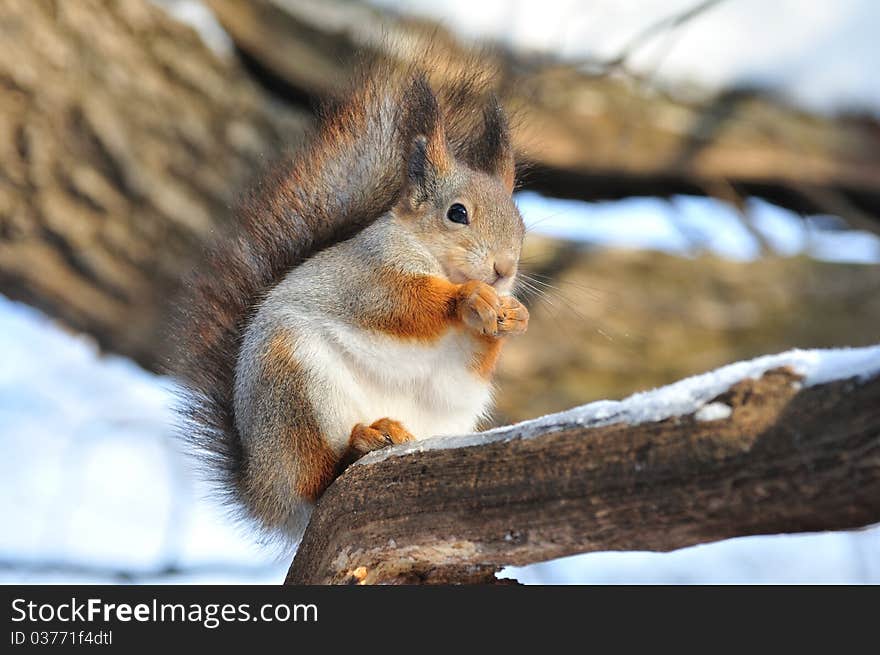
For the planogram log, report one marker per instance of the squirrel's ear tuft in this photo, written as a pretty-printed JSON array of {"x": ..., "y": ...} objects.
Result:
[
  {"x": 420, "y": 107},
  {"x": 428, "y": 163},
  {"x": 490, "y": 150},
  {"x": 429, "y": 156}
]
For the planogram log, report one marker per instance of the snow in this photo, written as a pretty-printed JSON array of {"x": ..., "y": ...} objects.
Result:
[
  {"x": 90, "y": 471},
  {"x": 688, "y": 225},
  {"x": 713, "y": 412},
  {"x": 197, "y": 15},
  {"x": 820, "y": 558},
  {"x": 681, "y": 398}
]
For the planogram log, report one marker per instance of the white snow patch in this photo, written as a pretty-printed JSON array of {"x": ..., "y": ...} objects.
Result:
[
  {"x": 199, "y": 16},
  {"x": 90, "y": 469},
  {"x": 814, "y": 558},
  {"x": 690, "y": 225},
  {"x": 679, "y": 399},
  {"x": 713, "y": 412}
]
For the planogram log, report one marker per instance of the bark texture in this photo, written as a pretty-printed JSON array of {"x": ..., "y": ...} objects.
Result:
[
  {"x": 123, "y": 141},
  {"x": 788, "y": 459}
]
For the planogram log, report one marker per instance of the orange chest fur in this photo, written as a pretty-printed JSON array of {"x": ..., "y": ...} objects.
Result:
[{"x": 424, "y": 311}]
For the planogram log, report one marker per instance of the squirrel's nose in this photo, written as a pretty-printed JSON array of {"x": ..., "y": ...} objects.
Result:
[{"x": 505, "y": 266}]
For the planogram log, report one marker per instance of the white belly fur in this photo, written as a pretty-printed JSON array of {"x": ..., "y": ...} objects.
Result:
[{"x": 357, "y": 376}]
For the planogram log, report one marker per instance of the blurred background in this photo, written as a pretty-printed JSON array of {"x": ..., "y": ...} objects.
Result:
[{"x": 702, "y": 186}]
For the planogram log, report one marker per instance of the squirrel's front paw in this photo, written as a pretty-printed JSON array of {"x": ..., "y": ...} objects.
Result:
[
  {"x": 513, "y": 317},
  {"x": 379, "y": 434},
  {"x": 479, "y": 307}
]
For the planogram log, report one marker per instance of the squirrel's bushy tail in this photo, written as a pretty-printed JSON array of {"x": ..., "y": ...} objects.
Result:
[{"x": 350, "y": 173}]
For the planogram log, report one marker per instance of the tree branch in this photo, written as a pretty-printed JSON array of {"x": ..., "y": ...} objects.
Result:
[
  {"x": 584, "y": 136},
  {"x": 788, "y": 458}
]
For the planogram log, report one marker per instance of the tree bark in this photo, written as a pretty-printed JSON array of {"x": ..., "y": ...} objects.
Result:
[
  {"x": 123, "y": 142},
  {"x": 787, "y": 459},
  {"x": 587, "y": 136}
]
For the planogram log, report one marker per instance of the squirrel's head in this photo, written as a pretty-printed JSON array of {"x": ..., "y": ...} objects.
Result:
[{"x": 461, "y": 208}]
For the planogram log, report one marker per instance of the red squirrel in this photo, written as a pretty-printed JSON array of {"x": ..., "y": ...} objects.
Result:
[{"x": 363, "y": 299}]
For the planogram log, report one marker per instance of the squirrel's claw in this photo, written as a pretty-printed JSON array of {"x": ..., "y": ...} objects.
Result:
[
  {"x": 379, "y": 434},
  {"x": 513, "y": 317},
  {"x": 485, "y": 312}
]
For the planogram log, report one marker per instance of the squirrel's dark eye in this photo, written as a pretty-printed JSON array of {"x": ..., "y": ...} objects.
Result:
[{"x": 457, "y": 213}]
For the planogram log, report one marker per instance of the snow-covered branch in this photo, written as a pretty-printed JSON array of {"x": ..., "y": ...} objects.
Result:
[{"x": 786, "y": 443}]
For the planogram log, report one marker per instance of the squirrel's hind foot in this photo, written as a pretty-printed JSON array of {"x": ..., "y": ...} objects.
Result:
[{"x": 379, "y": 434}]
